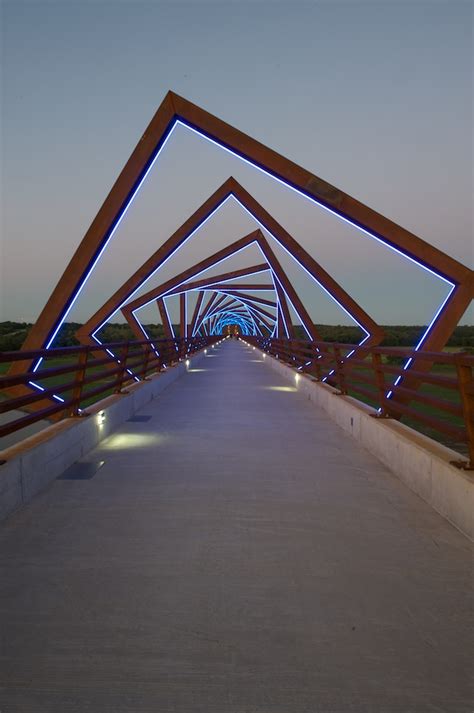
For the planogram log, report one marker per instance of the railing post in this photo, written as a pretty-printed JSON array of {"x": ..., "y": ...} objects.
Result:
[
  {"x": 316, "y": 365},
  {"x": 79, "y": 382},
  {"x": 380, "y": 382},
  {"x": 123, "y": 359},
  {"x": 466, "y": 390},
  {"x": 164, "y": 352},
  {"x": 341, "y": 380},
  {"x": 145, "y": 363}
]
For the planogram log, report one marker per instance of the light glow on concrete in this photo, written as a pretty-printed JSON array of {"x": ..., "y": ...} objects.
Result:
[
  {"x": 278, "y": 388},
  {"x": 125, "y": 441}
]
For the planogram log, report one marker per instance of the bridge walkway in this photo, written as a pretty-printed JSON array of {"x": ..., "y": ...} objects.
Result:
[{"x": 236, "y": 553}]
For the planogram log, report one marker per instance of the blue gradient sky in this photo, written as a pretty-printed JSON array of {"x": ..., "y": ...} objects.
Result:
[{"x": 375, "y": 97}]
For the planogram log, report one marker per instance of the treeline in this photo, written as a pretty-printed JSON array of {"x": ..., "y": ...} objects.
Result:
[
  {"x": 13, "y": 334},
  {"x": 401, "y": 335}
]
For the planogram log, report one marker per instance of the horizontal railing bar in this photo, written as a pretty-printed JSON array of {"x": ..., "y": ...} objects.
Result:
[
  {"x": 352, "y": 366},
  {"x": 21, "y": 401},
  {"x": 80, "y": 349},
  {"x": 362, "y": 377},
  {"x": 441, "y": 426},
  {"x": 443, "y": 404},
  {"x": 86, "y": 395},
  {"x": 8, "y": 381},
  {"x": 372, "y": 395},
  {"x": 130, "y": 360},
  {"x": 29, "y": 419},
  {"x": 447, "y": 382}
]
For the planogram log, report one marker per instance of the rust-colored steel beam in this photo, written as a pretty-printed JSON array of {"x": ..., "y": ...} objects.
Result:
[
  {"x": 260, "y": 310},
  {"x": 218, "y": 308},
  {"x": 183, "y": 318},
  {"x": 254, "y": 237},
  {"x": 314, "y": 187},
  {"x": 252, "y": 301},
  {"x": 221, "y": 286},
  {"x": 173, "y": 109},
  {"x": 172, "y": 283},
  {"x": 222, "y": 305},
  {"x": 212, "y": 309},
  {"x": 263, "y": 320},
  {"x": 225, "y": 305},
  {"x": 233, "y": 314},
  {"x": 165, "y": 320},
  {"x": 207, "y": 282},
  {"x": 249, "y": 303},
  {"x": 247, "y": 300},
  {"x": 211, "y": 301},
  {"x": 196, "y": 312},
  {"x": 260, "y": 300},
  {"x": 232, "y": 187},
  {"x": 280, "y": 330},
  {"x": 287, "y": 331}
]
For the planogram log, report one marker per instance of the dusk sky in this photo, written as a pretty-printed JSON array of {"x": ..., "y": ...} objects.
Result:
[{"x": 374, "y": 97}]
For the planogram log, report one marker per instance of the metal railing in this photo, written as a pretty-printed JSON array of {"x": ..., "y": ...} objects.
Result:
[
  {"x": 435, "y": 395},
  {"x": 71, "y": 378}
]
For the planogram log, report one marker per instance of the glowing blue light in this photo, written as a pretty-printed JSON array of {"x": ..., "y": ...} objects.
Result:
[
  {"x": 163, "y": 262},
  {"x": 297, "y": 313},
  {"x": 146, "y": 337},
  {"x": 212, "y": 283},
  {"x": 169, "y": 320},
  {"x": 100, "y": 253},
  {"x": 255, "y": 323},
  {"x": 315, "y": 279},
  {"x": 114, "y": 356},
  {"x": 312, "y": 200},
  {"x": 40, "y": 388},
  {"x": 264, "y": 227},
  {"x": 267, "y": 173},
  {"x": 185, "y": 335},
  {"x": 192, "y": 277},
  {"x": 256, "y": 314},
  {"x": 226, "y": 317}
]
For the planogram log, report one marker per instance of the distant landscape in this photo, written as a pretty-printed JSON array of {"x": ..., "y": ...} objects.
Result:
[{"x": 13, "y": 334}]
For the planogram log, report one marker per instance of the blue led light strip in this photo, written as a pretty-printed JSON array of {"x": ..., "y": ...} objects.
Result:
[
  {"x": 311, "y": 198},
  {"x": 275, "y": 177}
]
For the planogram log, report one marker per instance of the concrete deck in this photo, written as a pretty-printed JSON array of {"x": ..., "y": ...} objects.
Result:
[{"x": 237, "y": 553}]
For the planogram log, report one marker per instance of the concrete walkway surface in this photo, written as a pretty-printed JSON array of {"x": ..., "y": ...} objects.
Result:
[{"x": 236, "y": 553}]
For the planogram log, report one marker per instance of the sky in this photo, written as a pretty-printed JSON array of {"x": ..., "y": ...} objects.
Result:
[{"x": 374, "y": 97}]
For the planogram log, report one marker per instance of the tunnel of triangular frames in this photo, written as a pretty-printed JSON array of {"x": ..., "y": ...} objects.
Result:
[
  {"x": 231, "y": 189},
  {"x": 245, "y": 306}
]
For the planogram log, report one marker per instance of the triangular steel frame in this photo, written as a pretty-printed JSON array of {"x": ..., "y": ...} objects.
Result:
[
  {"x": 181, "y": 280},
  {"x": 175, "y": 111}
]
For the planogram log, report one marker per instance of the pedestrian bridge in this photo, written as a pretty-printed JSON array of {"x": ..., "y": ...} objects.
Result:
[{"x": 230, "y": 548}]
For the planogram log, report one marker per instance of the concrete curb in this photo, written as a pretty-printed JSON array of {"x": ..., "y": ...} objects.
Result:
[
  {"x": 421, "y": 463},
  {"x": 38, "y": 460}
]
